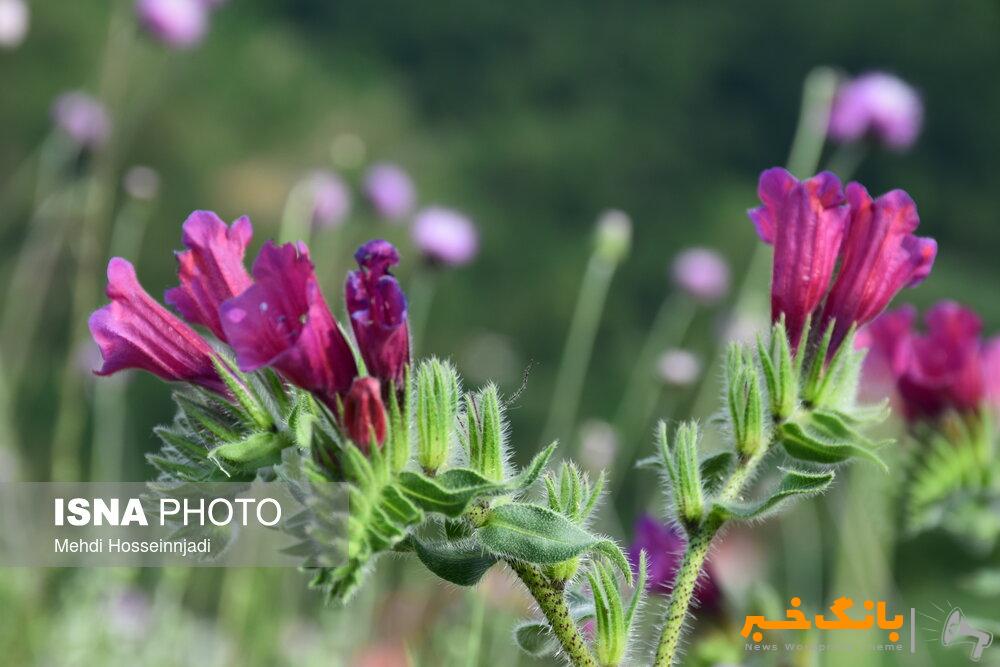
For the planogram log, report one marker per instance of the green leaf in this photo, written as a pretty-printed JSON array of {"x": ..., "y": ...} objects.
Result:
[
  {"x": 610, "y": 550},
  {"x": 463, "y": 562},
  {"x": 795, "y": 484},
  {"x": 534, "y": 534},
  {"x": 253, "y": 452},
  {"x": 534, "y": 637},
  {"x": 805, "y": 445},
  {"x": 715, "y": 469}
]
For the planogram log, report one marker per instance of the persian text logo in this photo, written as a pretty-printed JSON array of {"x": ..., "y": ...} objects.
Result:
[{"x": 795, "y": 619}]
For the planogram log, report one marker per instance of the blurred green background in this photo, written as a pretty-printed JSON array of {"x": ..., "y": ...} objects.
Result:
[{"x": 531, "y": 118}]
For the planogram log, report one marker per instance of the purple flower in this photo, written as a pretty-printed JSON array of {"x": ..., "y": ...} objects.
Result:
[
  {"x": 14, "y": 20},
  {"x": 377, "y": 307},
  {"x": 82, "y": 118},
  {"x": 179, "y": 24},
  {"x": 283, "y": 321},
  {"x": 881, "y": 256},
  {"x": 702, "y": 273},
  {"x": 811, "y": 227},
  {"x": 445, "y": 236},
  {"x": 390, "y": 191},
  {"x": 211, "y": 269},
  {"x": 947, "y": 368},
  {"x": 330, "y": 199},
  {"x": 879, "y": 105},
  {"x": 805, "y": 222},
  {"x": 364, "y": 413},
  {"x": 664, "y": 547},
  {"x": 134, "y": 331}
]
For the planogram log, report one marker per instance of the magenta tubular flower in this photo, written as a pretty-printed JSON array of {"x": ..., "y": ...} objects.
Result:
[
  {"x": 702, "y": 273},
  {"x": 445, "y": 236},
  {"x": 879, "y": 105},
  {"x": 134, "y": 331},
  {"x": 805, "y": 222},
  {"x": 82, "y": 118},
  {"x": 390, "y": 191},
  {"x": 211, "y": 269},
  {"x": 283, "y": 321},
  {"x": 664, "y": 547},
  {"x": 377, "y": 307},
  {"x": 887, "y": 340},
  {"x": 180, "y": 24},
  {"x": 364, "y": 413},
  {"x": 881, "y": 256}
]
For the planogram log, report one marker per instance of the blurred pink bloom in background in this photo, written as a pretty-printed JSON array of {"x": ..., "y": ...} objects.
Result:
[
  {"x": 390, "y": 191},
  {"x": 14, "y": 21},
  {"x": 330, "y": 198},
  {"x": 878, "y": 105},
  {"x": 177, "y": 23},
  {"x": 82, "y": 118},
  {"x": 445, "y": 236},
  {"x": 702, "y": 273},
  {"x": 141, "y": 182},
  {"x": 678, "y": 367}
]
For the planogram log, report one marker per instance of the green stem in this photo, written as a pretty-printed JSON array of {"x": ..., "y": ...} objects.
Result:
[
  {"x": 694, "y": 559},
  {"x": 552, "y": 602},
  {"x": 421, "y": 291},
  {"x": 579, "y": 346}
]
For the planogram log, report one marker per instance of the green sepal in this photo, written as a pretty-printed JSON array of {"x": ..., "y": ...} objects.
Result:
[
  {"x": 239, "y": 386},
  {"x": 795, "y": 484},
  {"x": 535, "y": 637},
  {"x": 821, "y": 446},
  {"x": 462, "y": 562},
  {"x": 715, "y": 469},
  {"x": 253, "y": 452},
  {"x": 437, "y": 408}
]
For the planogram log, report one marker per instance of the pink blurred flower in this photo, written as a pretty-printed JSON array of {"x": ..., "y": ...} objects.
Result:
[
  {"x": 702, "y": 273},
  {"x": 330, "y": 199},
  {"x": 678, "y": 367},
  {"x": 445, "y": 236},
  {"x": 14, "y": 21},
  {"x": 179, "y": 24},
  {"x": 82, "y": 118},
  {"x": 879, "y": 105},
  {"x": 664, "y": 546},
  {"x": 134, "y": 331},
  {"x": 211, "y": 270},
  {"x": 390, "y": 191},
  {"x": 949, "y": 367}
]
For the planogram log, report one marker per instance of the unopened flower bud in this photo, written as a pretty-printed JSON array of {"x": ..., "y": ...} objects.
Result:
[
  {"x": 614, "y": 235},
  {"x": 437, "y": 408},
  {"x": 364, "y": 413},
  {"x": 486, "y": 437}
]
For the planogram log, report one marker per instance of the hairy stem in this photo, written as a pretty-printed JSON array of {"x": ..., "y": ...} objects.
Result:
[
  {"x": 694, "y": 560},
  {"x": 552, "y": 602}
]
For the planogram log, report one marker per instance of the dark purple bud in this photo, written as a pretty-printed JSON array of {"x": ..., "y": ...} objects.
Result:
[
  {"x": 364, "y": 413},
  {"x": 377, "y": 307}
]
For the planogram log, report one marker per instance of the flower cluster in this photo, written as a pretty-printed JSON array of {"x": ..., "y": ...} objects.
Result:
[
  {"x": 816, "y": 225},
  {"x": 275, "y": 317},
  {"x": 947, "y": 368}
]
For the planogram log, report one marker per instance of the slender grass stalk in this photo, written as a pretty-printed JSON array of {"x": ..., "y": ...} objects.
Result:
[
  {"x": 669, "y": 327},
  {"x": 296, "y": 218},
  {"x": 109, "y": 411},
  {"x": 579, "y": 346},
  {"x": 421, "y": 288},
  {"x": 474, "y": 647},
  {"x": 699, "y": 543},
  {"x": 803, "y": 159},
  {"x": 552, "y": 603}
]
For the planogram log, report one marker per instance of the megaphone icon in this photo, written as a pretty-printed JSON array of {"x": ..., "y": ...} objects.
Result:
[{"x": 958, "y": 630}]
